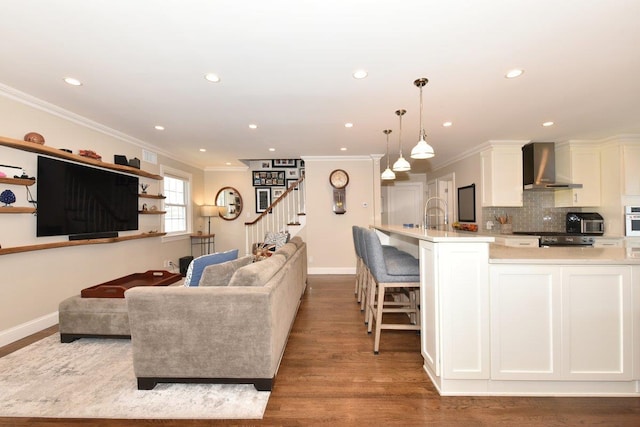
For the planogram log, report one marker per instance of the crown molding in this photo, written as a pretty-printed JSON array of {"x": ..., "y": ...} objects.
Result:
[{"x": 54, "y": 110}]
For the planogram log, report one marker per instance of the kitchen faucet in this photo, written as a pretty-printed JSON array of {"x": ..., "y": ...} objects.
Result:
[{"x": 445, "y": 210}]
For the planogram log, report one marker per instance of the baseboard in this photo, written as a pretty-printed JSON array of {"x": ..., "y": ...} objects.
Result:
[
  {"x": 331, "y": 270},
  {"x": 29, "y": 328}
]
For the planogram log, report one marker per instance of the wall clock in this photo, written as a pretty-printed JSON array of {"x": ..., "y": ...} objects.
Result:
[{"x": 339, "y": 179}]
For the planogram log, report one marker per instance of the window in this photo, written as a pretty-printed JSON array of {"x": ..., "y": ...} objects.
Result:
[{"x": 177, "y": 188}]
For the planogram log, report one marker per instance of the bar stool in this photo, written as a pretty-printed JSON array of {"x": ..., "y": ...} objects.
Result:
[{"x": 388, "y": 273}]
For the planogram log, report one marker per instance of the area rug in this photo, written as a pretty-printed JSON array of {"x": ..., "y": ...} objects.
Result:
[{"x": 93, "y": 378}]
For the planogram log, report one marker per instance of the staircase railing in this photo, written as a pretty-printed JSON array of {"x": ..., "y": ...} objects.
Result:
[{"x": 282, "y": 213}]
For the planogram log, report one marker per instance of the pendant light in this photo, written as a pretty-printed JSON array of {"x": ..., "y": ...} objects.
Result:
[
  {"x": 401, "y": 165},
  {"x": 422, "y": 150},
  {"x": 388, "y": 173}
]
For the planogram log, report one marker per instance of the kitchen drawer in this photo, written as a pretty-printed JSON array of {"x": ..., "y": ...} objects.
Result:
[
  {"x": 608, "y": 242},
  {"x": 522, "y": 242}
]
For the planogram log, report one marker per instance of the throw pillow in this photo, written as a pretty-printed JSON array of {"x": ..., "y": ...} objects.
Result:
[
  {"x": 220, "y": 274},
  {"x": 258, "y": 273},
  {"x": 278, "y": 239},
  {"x": 194, "y": 272}
]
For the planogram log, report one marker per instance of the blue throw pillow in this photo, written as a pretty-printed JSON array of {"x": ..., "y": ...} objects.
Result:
[{"x": 197, "y": 266}]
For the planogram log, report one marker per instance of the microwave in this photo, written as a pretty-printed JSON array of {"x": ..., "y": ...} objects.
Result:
[
  {"x": 632, "y": 221},
  {"x": 585, "y": 223}
]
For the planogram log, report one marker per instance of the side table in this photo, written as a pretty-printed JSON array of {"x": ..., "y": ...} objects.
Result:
[{"x": 206, "y": 242}]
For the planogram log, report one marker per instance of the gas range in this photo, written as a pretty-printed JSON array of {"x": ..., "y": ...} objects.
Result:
[{"x": 560, "y": 239}]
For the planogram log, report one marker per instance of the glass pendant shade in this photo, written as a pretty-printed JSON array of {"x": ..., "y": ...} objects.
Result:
[
  {"x": 422, "y": 150},
  {"x": 388, "y": 174},
  {"x": 401, "y": 165}
]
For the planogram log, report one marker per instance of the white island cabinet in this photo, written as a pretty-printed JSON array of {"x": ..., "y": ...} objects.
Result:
[
  {"x": 561, "y": 322},
  {"x": 499, "y": 320}
]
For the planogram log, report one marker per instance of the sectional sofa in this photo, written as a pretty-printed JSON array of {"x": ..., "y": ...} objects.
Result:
[{"x": 233, "y": 328}]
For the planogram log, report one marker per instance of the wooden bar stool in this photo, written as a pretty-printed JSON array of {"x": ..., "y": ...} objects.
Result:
[{"x": 390, "y": 273}]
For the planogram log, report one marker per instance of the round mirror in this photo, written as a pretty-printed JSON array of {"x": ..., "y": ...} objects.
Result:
[{"x": 230, "y": 203}]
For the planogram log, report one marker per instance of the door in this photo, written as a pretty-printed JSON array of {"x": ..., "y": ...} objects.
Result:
[{"x": 404, "y": 203}]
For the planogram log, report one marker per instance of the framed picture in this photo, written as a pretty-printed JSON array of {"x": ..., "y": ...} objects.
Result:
[
  {"x": 301, "y": 172},
  {"x": 265, "y": 164},
  {"x": 277, "y": 192},
  {"x": 263, "y": 199},
  {"x": 290, "y": 183},
  {"x": 283, "y": 163},
  {"x": 268, "y": 178}
]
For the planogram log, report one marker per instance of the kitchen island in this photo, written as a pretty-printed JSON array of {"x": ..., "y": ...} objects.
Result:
[{"x": 499, "y": 320}]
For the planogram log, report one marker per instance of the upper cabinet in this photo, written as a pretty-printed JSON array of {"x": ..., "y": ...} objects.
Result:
[
  {"x": 501, "y": 168},
  {"x": 631, "y": 159},
  {"x": 578, "y": 163}
]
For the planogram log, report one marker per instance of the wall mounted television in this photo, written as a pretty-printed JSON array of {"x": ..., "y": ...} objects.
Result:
[{"x": 84, "y": 202}]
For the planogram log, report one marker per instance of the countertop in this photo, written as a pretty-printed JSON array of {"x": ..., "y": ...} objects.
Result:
[
  {"x": 499, "y": 254},
  {"x": 437, "y": 236}
]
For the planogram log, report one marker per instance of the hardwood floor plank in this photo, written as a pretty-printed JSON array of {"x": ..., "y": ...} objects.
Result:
[{"x": 330, "y": 376}]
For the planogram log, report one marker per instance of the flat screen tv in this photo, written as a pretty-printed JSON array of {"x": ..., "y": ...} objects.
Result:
[{"x": 79, "y": 200}]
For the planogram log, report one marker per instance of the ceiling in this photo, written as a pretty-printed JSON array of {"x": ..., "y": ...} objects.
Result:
[{"x": 286, "y": 66}]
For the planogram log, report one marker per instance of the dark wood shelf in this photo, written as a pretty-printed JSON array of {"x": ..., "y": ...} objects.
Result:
[
  {"x": 16, "y": 210},
  {"x": 151, "y": 196},
  {"x": 150, "y": 212},
  {"x": 55, "y": 152},
  {"x": 17, "y": 181},
  {"x": 29, "y": 248}
]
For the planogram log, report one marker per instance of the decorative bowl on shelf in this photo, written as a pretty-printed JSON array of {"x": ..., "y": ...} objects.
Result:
[{"x": 34, "y": 137}]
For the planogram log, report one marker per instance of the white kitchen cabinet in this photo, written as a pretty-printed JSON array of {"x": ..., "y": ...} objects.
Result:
[
  {"x": 608, "y": 242},
  {"x": 631, "y": 159},
  {"x": 518, "y": 241},
  {"x": 525, "y": 322},
  {"x": 635, "y": 288},
  {"x": 597, "y": 322},
  {"x": 455, "y": 311},
  {"x": 578, "y": 163},
  {"x": 501, "y": 169},
  {"x": 561, "y": 323}
]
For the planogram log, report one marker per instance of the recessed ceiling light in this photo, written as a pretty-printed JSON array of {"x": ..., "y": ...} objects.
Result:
[
  {"x": 228, "y": 163},
  {"x": 203, "y": 150},
  {"x": 253, "y": 126},
  {"x": 272, "y": 149},
  {"x": 547, "y": 124},
  {"x": 360, "y": 74},
  {"x": 512, "y": 74},
  {"x": 158, "y": 127},
  {"x": 343, "y": 149},
  {"x": 348, "y": 125},
  {"x": 72, "y": 81},
  {"x": 212, "y": 77},
  {"x": 447, "y": 124}
]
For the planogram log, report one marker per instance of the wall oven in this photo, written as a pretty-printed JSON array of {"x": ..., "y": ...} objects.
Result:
[{"x": 632, "y": 221}]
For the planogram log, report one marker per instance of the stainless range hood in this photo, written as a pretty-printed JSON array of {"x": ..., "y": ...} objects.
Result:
[{"x": 539, "y": 168}]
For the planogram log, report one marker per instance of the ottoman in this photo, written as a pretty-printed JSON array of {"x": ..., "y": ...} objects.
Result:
[{"x": 93, "y": 317}]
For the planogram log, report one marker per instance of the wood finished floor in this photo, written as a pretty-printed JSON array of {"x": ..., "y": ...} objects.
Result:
[{"x": 330, "y": 376}]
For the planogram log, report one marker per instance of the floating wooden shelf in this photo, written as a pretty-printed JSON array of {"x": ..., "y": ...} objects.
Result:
[
  {"x": 150, "y": 212},
  {"x": 151, "y": 196},
  {"x": 55, "y": 152},
  {"x": 28, "y": 248},
  {"x": 16, "y": 210},
  {"x": 17, "y": 181}
]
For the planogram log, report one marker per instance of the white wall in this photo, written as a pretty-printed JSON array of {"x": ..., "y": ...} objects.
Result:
[{"x": 33, "y": 283}]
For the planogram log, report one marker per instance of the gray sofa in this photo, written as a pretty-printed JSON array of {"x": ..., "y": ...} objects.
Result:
[{"x": 232, "y": 332}]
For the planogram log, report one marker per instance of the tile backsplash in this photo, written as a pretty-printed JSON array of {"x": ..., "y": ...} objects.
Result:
[{"x": 536, "y": 214}]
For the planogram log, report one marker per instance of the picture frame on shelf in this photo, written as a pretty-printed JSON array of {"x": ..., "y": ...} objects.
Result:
[
  {"x": 268, "y": 178},
  {"x": 290, "y": 183},
  {"x": 277, "y": 192},
  {"x": 263, "y": 199},
  {"x": 284, "y": 163}
]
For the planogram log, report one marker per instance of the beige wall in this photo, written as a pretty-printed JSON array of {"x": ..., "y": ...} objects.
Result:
[
  {"x": 33, "y": 283},
  {"x": 329, "y": 236}
]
